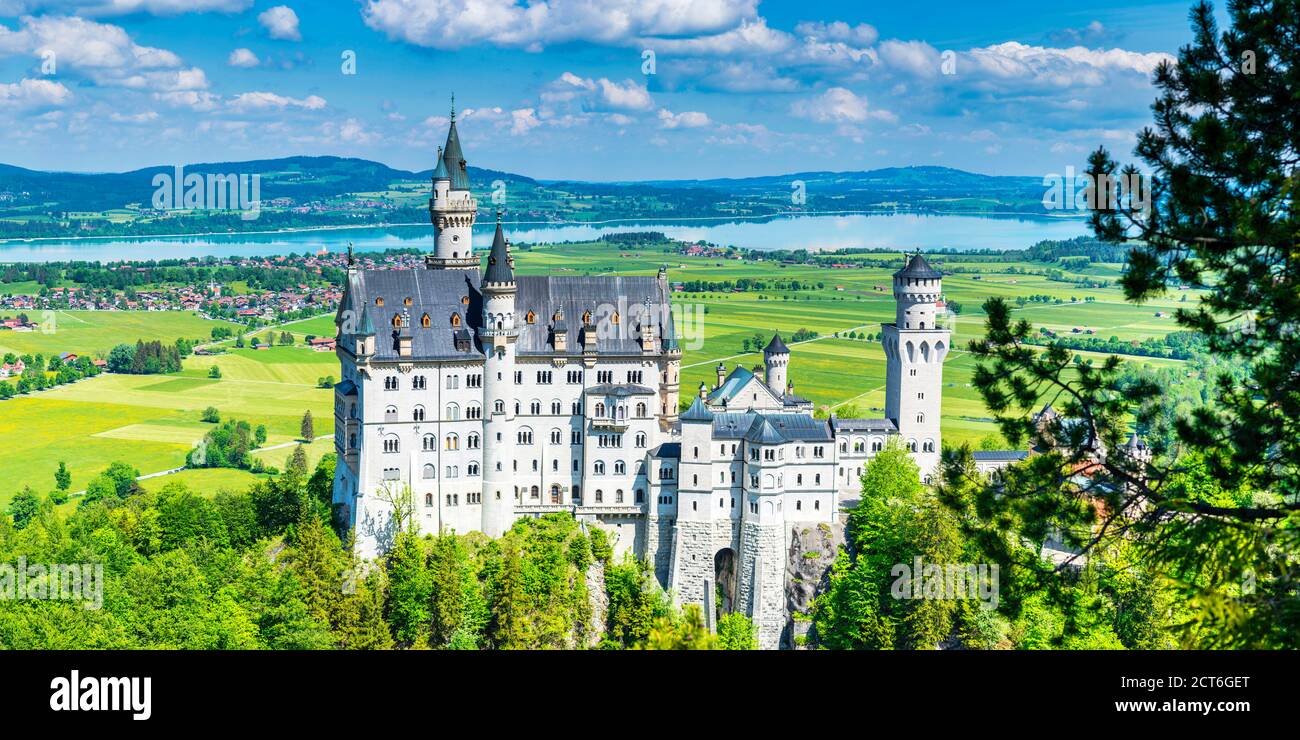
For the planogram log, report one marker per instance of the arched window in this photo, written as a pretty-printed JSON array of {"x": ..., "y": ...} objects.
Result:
[
  {"x": 620, "y": 467},
  {"x": 453, "y": 442},
  {"x": 417, "y": 413},
  {"x": 379, "y": 301},
  {"x": 429, "y": 442},
  {"x": 555, "y": 494},
  {"x": 390, "y": 413},
  {"x": 640, "y": 410},
  {"x": 428, "y": 499},
  {"x": 600, "y": 496},
  {"x": 598, "y": 469},
  {"x": 524, "y": 436},
  {"x": 920, "y": 418},
  {"x": 425, "y": 321},
  {"x": 535, "y": 407},
  {"x": 391, "y": 443},
  {"x": 473, "y": 469},
  {"x": 430, "y": 471},
  {"x": 472, "y": 441},
  {"x": 640, "y": 439},
  {"x": 455, "y": 320},
  {"x": 600, "y": 408},
  {"x": 499, "y": 406},
  {"x": 618, "y": 495},
  {"x": 453, "y": 412},
  {"x": 556, "y": 436}
]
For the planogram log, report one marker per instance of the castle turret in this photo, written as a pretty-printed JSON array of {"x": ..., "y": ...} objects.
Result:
[
  {"x": 452, "y": 209},
  {"x": 915, "y": 348},
  {"x": 497, "y": 338},
  {"x": 776, "y": 363}
]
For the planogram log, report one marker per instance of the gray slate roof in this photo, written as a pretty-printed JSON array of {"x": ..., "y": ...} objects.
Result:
[
  {"x": 440, "y": 294},
  {"x": 918, "y": 268},
  {"x": 770, "y": 428},
  {"x": 999, "y": 455},
  {"x": 499, "y": 269},
  {"x": 864, "y": 425},
  {"x": 776, "y": 346},
  {"x": 619, "y": 389}
]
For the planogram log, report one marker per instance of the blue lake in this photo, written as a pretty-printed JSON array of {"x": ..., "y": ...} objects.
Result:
[{"x": 823, "y": 232}]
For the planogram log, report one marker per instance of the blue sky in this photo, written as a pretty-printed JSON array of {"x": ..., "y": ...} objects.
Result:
[{"x": 560, "y": 89}]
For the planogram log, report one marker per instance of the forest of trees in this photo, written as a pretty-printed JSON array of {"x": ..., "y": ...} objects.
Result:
[{"x": 265, "y": 569}]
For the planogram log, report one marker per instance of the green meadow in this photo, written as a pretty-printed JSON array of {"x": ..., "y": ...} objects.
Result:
[
  {"x": 94, "y": 333},
  {"x": 152, "y": 421}
]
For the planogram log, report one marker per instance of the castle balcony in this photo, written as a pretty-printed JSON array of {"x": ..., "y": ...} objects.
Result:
[
  {"x": 609, "y": 425},
  {"x": 453, "y": 204}
]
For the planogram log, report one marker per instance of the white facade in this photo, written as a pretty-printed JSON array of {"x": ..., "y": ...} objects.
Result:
[{"x": 490, "y": 397}]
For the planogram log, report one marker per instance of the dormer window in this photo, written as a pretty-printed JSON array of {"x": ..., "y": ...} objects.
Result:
[
  {"x": 425, "y": 321},
  {"x": 614, "y": 318},
  {"x": 464, "y": 300},
  {"x": 530, "y": 317},
  {"x": 586, "y": 317},
  {"x": 379, "y": 301},
  {"x": 455, "y": 320},
  {"x": 397, "y": 321},
  {"x": 406, "y": 301}
]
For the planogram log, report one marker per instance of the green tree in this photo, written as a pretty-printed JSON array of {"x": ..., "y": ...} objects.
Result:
[
  {"x": 410, "y": 590},
  {"x": 1221, "y": 217},
  {"x": 24, "y": 507},
  {"x": 62, "y": 477},
  {"x": 308, "y": 427},
  {"x": 736, "y": 632}
]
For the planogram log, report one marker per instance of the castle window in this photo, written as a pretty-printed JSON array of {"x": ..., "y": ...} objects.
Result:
[
  {"x": 417, "y": 414},
  {"x": 430, "y": 443},
  {"x": 455, "y": 319},
  {"x": 397, "y": 321},
  {"x": 430, "y": 471},
  {"x": 472, "y": 441},
  {"x": 453, "y": 442},
  {"x": 920, "y": 418},
  {"x": 640, "y": 496},
  {"x": 425, "y": 321},
  {"x": 406, "y": 301},
  {"x": 618, "y": 496},
  {"x": 428, "y": 498},
  {"x": 391, "y": 443},
  {"x": 640, "y": 410},
  {"x": 586, "y": 317},
  {"x": 598, "y": 469},
  {"x": 600, "y": 496},
  {"x": 530, "y": 317},
  {"x": 614, "y": 318},
  {"x": 464, "y": 300},
  {"x": 379, "y": 301},
  {"x": 620, "y": 468},
  {"x": 390, "y": 413}
]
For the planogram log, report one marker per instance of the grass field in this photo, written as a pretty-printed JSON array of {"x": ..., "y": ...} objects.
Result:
[
  {"x": 152, "y": 421},
  {"x": 94, "y": 333}
]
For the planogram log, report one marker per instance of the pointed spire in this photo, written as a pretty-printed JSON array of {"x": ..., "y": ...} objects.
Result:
[
  {"x": 499, "y": 269},
  {"x": 440, "y": 172},
  {"x": 776, "y": 346},
  {"x": 453, "y": 157}
]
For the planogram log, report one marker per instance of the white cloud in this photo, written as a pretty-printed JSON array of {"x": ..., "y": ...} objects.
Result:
[
  {"x": 861, "y": 35},
  {"x": 124, "y": 7},
  {"x": 685, "y": 119},
  {"x": 147, "y": 116},
  {"x": 280, "y": 22},
  {"x": 582, "y": 94},
  {"x": 523, "y": 120},
  {"x": 102, "y": 52},
  {"x": 199, "y": 100},
  {"x": 838, "y": 105},
  {"x": 33, "y": 94},
  {"x": 251, "y": 101},
  {"x": 243, "y": 58},
  {"x": 534, "y": 24}
]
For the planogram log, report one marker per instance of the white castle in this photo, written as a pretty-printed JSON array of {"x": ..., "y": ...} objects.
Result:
[{"x": 488, "y": 396}]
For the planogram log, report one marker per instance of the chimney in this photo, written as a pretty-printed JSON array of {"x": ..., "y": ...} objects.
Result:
[{"x": 722, "y": 374}]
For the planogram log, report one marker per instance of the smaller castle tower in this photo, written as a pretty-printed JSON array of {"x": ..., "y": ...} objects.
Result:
[
  {"x": 452, "y": 209},
  {"x": 915, "y": 348},
  {"x": 776, "y": 363},
  {"x": 497, "y": 337}
]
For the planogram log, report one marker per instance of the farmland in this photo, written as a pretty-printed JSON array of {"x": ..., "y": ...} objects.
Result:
[{"x": 151, "y": 421}]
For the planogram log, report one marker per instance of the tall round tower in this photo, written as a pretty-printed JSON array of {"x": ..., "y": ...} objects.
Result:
[
  {"x": 452, "y": 209},
  {"x": 497, "y": 337},
  {"x": 776, "y": 364},
  {"x": 915, "y": 348}
]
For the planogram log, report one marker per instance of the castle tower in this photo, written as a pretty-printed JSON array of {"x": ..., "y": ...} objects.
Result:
[
  {"x": 776, "y": 363},
  {"x": 497, "y": 337},
  {"x": 915, "y": 348},
  {"x": 452, "y": 208}
]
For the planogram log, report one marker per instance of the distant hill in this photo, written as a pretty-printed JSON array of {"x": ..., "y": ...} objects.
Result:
[
  {"x": 303, "y": 192},
  {"x": 300, "y": 178}
]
